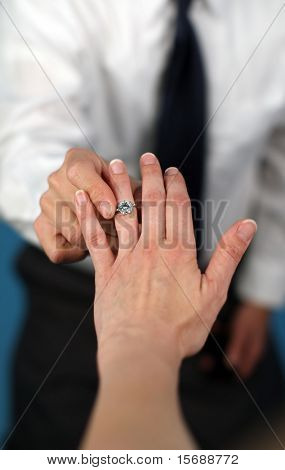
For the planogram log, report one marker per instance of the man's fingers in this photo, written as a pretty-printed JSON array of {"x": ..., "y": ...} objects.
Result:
[
  {"x": 82, "y": 173},
  {"x": 251, "y": 356},
  {"x": 245, "y": 349},
  {"x": 94, "y": 235},
  {"x": 229, "y": 253},
  {"x": 243, "y": 353},
  {"x": 55, "y": 245},
  {"x": 60, "y": 214},
  {"x": 234, "y": 351}
]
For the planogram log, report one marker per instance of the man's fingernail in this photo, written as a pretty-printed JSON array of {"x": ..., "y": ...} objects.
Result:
[
  {"x": 80, "y": 197},
  {"x": 117, "y": 166},
  {"x": 148, "y": 159},
  {"x": 105, "y": 209},
  {"x": 172, "y": 170},
  {"x": 247, "y": 230}
]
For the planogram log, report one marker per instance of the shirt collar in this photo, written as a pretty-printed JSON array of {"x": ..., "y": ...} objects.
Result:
[{"x": 211, "y": 5}]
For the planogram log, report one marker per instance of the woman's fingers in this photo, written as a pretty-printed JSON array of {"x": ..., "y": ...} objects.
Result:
[
  {"x": 126, "y": 224},
  {"x": 94, "y": 235},
  {"x": 153, "y": 200},
  {"x": 229, "y": 253},
  {"x": 179, "y": 224}
]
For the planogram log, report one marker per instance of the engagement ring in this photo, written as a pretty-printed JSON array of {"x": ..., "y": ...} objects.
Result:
[{"x": 125, "y": 207}]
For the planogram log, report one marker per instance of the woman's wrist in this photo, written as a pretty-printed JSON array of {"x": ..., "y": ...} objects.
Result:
[
  {"x": 139, "y": 377},
  {"x": 138, "y": 383},
  {"x": 139, "y": 344}
]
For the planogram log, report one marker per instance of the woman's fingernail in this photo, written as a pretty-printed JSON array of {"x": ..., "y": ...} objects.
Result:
[
  {"x": 117, "y": 166},
  {"x": 148, "y": 159},
  {"x": 81, "y": 197},
  {"x": 172, "y": 170},
  {"x": 105, "y": 209},
  {"x": 247, "y": 230}
]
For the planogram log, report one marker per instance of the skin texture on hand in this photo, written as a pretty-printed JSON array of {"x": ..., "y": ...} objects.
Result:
[
  {"x": 153, "y": 307},
  {"x": 157, "y": 271},
  {"x": 57, "y": 226},
  {"x": 248, "y": 335}
]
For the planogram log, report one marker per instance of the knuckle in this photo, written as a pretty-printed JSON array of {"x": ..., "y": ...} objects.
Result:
[
  {"x": 37, "y": 226},
  {"x": 155, "y": 194},
  {"x": 79, "y": 153},
  {"x": 96, "y": 240},
  {"x": 74, "y": 235},
  {"x": 180, "y": 198},
  {"x": 55, "y": 256},
  {"x": 77, "y": 168},
  {"x": 233, "y": 251},
  {"x": 73, "y": 170},
  {"x": 44, "y": 201},
  {"x": 53, "y": 179},
  {"x": 71, "y": 153},
  {"x": 97, "y": 193}
]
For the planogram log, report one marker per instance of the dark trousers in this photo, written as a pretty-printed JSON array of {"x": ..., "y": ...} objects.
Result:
[{"x": 56, "y": 379}]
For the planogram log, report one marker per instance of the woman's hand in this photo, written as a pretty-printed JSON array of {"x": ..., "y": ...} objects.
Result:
[{"x": 152, "y": 293}]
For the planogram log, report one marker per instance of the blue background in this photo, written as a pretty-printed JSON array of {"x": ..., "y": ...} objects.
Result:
[
  {"x": 12, "y": 302},
  {"x": 12, "y": 308}
]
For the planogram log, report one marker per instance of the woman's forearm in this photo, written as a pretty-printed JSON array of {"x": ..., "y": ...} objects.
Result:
[
  {"x": 157, "y": 309},
  {"x": 137, "y": 406}
]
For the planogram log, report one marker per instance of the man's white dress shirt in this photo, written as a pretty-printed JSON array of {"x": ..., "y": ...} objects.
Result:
[{"x": 88, "y": 72}]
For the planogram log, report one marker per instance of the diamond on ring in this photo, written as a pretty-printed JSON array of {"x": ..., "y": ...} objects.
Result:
[{"x": 125, "y": 207}]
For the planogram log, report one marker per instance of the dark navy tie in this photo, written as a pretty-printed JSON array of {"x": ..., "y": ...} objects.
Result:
[{"x": 182, "y": 115}]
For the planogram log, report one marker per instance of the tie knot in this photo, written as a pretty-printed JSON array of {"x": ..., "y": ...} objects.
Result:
[{"x": 183, "y": 6}]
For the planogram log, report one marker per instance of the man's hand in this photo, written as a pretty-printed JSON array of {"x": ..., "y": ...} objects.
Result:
[
  {"x": 57, "y": 226},
  {"x": 248, "y": 334}
]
